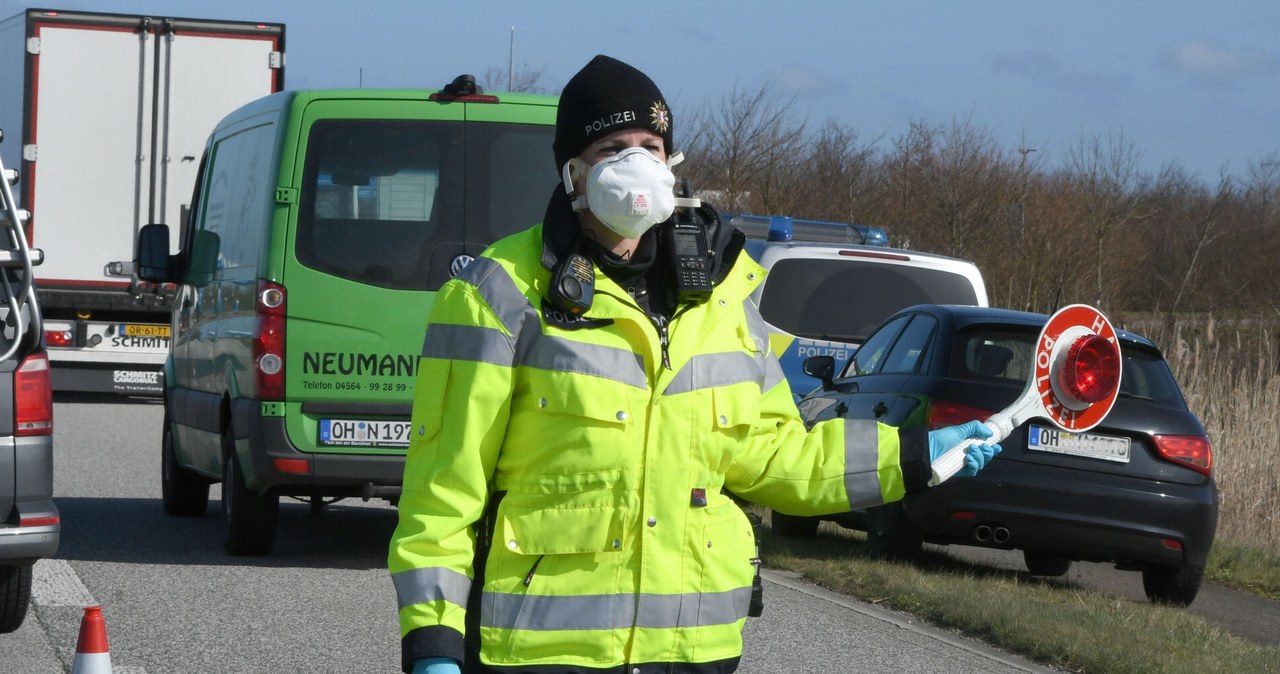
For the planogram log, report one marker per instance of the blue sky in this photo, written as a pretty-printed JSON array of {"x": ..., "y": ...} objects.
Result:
[{"x": 1195, "y": 83}]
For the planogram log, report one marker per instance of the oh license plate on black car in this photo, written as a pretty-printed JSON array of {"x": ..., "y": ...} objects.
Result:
[
  {"x": 363, "y": 433},
  {"x": 1089, "y": 445}
]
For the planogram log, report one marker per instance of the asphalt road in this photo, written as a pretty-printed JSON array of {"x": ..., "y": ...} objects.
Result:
[{"x": 174, "y": 602}]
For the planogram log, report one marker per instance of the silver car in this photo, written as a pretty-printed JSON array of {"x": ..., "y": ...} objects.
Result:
[{"x": 29, "y": 521}]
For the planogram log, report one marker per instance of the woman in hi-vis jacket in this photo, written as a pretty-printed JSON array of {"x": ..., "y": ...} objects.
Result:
[{"x": 588, "y": 392}]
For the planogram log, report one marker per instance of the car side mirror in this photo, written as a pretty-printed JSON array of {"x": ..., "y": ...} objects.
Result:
[
  {"x": 823, "y": 368},
  {"x": 153, "y": 262}
]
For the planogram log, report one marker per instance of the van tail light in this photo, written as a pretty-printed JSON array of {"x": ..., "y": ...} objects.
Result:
[
  {"x": 1192, "y": 451},
  {"x": 268, "y": 341},
  {"x": 943, "y": 413},
  {"x": 33, "y": 397}
]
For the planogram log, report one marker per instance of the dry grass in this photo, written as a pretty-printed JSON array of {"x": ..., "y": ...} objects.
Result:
[
  {"x": 1229, "y": 374},
  {"x": 1051, "y": 620}
]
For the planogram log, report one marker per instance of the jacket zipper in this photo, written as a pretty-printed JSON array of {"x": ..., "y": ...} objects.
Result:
[{"x": 529, "y": 578}]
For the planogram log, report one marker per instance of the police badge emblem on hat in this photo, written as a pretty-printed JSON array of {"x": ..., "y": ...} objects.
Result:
[{"x": 660, "y": 117}]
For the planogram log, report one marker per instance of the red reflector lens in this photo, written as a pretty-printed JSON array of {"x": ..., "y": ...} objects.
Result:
[
  {"x": 1192, "y": 451},
  {"x": 1172, "y": 544},
  {"x": 1092, "y": 369},
  {"x": 877, "y": 256},
  {"x": 39, "y": 521},
  {"x": 299, "y": 466},
  {"x": 964, "y": 515},
  {"x": 33, "y": 397},
  {"x": 58, "y": 337},
  {"x": 943, "y": 413}
]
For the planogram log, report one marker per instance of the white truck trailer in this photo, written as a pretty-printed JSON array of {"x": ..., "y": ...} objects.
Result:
[{"x": 114, "y": 113}]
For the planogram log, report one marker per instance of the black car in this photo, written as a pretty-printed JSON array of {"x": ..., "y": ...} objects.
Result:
[{"x": 1136, "y": 490}]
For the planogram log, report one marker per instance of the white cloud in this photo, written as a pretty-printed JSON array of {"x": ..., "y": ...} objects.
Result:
[{"x": 1205, "y": 60}]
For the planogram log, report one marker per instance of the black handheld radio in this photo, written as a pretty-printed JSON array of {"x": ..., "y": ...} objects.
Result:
[{"x": 687, "y": 250}]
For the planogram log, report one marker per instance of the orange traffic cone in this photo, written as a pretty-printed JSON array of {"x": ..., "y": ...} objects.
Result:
[{"x": 92, "y": 656}]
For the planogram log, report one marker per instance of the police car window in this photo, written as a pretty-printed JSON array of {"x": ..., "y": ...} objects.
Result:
[
  {"x": 844, "y": 300},
  {"x": 870, "y": 357},
  {"x": 910, "y": 351}
]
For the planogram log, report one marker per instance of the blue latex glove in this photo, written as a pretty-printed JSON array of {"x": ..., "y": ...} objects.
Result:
[
  {"x": 975, "y": 457},
  {"x": 436, "y": 666}
]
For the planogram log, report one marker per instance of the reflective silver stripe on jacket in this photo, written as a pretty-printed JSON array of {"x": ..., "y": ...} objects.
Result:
[
  {"x": 498, "y": 291},
  {"x": 861, "y": 462},
  {"x": 611, "y": 612},
  {"x": 433, "y": 583},
  {"x": 713, "y": 370},
  {"x": 468, "y": 342},
  {"x": 759, "y": 330},
  {"x": 565, "y": 355}
]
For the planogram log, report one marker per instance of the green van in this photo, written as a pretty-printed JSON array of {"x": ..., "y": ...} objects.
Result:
[{"x": 322, "y": 224}]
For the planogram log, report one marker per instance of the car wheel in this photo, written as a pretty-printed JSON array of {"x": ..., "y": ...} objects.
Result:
[
  {"x": 794, "y": 526},
  {"x": 183, "y": 493},
  {"x": 1044, "y": 564},
  {"x": 15, "y": 596},
  {"x": 1177, "y": 585},
  {"x": 890, "y": 535},
  {"x": 250, "y": 516}
]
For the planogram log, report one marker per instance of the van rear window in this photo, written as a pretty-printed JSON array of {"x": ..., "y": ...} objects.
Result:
[
  {"x": 844, "y": 300},
  {"x": 391, "y": 203}
]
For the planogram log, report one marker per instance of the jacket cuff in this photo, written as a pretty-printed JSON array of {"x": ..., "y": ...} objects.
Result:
[
  {"x": 913, "y": 457},
  {"x": 427, "y": 642}
]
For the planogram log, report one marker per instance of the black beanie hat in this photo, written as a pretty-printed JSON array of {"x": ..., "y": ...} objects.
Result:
[{"x": 607, "y": 95}]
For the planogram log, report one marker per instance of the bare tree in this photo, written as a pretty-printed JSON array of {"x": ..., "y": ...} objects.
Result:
[
  {"x": 523, "y": 79},
  {"x": 1107, "y": 184},
  {"x": 744, "y": 148}
]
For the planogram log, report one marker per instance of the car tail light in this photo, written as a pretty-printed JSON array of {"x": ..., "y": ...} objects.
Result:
[
  {"x": 58, "y": 337},
  {"x": 268, "y": 341},
  {"x": 33, "y": 397},
  {"x": 1092, "y": 369},
  {"x": 944, "y": 413},
  {"x": 1192, "y": 451}
]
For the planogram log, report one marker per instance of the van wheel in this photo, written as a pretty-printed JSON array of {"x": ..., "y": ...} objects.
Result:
[
  {"x": 1176, "y": 585},
  {"x": 250, "y": 516},
  {"x": 183, "y": 493},
  {"x": 15, "y": 596},
  {"x": 890, "y": 535}
]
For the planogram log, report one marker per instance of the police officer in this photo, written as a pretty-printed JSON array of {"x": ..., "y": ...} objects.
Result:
[{"x": 579, "y": 416}]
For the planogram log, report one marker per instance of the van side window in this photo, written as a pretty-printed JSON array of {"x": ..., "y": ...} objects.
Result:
[{"x": 238, "y": 202}]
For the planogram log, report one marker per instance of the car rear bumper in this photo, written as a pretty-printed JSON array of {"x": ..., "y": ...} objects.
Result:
[
  {"x": 1074, "y": 514},
  {"x": 274, "y": 461},
  {"x": 25, "y": 545}
]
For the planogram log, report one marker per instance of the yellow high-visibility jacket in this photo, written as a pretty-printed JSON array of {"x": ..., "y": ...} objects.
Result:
[{"x": 614, "y": 548}]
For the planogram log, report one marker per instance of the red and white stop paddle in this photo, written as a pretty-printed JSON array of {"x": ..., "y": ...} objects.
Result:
[{"x": 1074, "y": 384}]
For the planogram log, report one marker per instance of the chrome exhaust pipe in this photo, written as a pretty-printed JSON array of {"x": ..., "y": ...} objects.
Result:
[
  {"x": 1000, "y": 535},
  {"x": 982, "y": 533}
]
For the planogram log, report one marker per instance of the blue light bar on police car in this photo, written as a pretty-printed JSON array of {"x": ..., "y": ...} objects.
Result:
[{"x": 784, "y": 228}]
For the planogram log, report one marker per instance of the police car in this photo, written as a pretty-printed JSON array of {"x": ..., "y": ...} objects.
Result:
[{"x": 830, "y": 284}]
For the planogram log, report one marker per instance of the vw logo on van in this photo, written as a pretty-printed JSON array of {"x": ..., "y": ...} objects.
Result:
[{"x": 459, "y": 263}]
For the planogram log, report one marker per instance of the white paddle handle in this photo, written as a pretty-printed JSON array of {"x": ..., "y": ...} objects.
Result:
[{"x": 1001, "y": 424}]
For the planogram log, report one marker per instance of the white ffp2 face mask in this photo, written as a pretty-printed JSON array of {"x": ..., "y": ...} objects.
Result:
[{"x": 629, "y": 192}]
